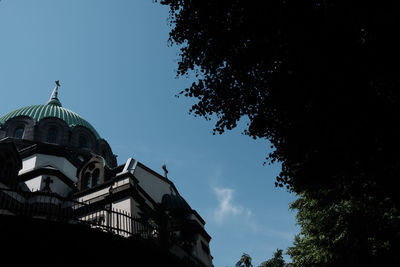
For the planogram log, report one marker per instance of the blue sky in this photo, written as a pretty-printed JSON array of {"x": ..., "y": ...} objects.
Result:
[{"x": 118, "y": 72}]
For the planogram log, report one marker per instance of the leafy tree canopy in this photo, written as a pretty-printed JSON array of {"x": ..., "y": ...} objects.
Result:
[
  {"x": 346, "y": 231},
  {"x": 320, "y": 80},
  {"x": 276, "y": 261},
  {"x": 245, "y": 261}
]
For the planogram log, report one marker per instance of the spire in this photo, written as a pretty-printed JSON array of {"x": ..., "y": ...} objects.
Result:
[{"x": 54, "y": 96}]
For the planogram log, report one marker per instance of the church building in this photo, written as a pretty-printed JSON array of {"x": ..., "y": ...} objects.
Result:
[{"x": 55, "y": 166}]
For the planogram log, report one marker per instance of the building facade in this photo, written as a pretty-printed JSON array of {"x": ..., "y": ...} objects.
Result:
[{"x": 54, "y": 164}]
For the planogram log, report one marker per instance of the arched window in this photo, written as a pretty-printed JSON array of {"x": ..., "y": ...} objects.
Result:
[
  {"x": 95, "y": 177},
  {"x": 52, "y": 135},
  {"x": 83, "y": 142},
  {"x": 91, "y": 174},
  {"x": 87, "y": 181},
  {"x": 91, "y": 166},
  {"x": 19, "y": 132}
]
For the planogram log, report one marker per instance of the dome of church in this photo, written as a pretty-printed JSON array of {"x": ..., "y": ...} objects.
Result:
[
  {"x": 52, "y": 108},
  {"x": 52, "y": 124},
  {"x": 39, "y": 112}
]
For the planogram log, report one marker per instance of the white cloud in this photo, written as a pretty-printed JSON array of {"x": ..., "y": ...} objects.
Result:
[
  {"x": 228, "y": 209},
  {"x": 226, "y": 206}
]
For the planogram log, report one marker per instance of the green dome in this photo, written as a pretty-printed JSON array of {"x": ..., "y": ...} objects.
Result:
[{"x": 51, "y": 109}]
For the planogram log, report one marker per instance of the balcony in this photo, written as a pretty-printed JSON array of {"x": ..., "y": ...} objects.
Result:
[{"x": 52, "y": 207}]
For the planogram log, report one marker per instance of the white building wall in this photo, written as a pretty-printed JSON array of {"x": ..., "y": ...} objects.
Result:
[
  {"x": 41, "y": 160},
  {"x": 124, "y": 205},
  {"x": 28, "y": 164},
  {"x": 122, "y": 182},
  {"x": 134, "y": 208},
  {"x": 104, "y": 191},
  {"x": 88, "y": 197},
  {"x": 57, "y": 185},
  {"x": 127, "y": 205},
  {"x": 34, "y": 183},
  {"x": 152, "y": 184}
]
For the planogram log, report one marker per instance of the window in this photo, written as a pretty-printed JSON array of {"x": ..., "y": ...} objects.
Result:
[
  {"x": 87, "y": 181},
  {"x": 83, "y": 141},
  {"x": 95, "y": 177},
  {"x": 91, "y": 166},
  {"x": 19, "y": 132},
  {"x": 52, "y": 135},
  {"x": 91, "y": 175}
]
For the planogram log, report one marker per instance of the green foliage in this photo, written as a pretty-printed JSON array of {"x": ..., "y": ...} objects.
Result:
[
  {"x": 320, "y": 81},
  {"x": 276, "y": 261},
  {"x": 346, "y": 230},
  {"x": 245, "y": 261}
]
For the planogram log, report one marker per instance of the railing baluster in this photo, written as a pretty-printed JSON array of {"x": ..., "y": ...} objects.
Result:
[
  {"x": 130, "y": 225},
  {"x": 118, "y": 215},
  {"x": 126, "y": 223},
  {"x": 123, "y": 222},
  {"x": 54, "y": 207},
  {"x": 113, "y": 221}
]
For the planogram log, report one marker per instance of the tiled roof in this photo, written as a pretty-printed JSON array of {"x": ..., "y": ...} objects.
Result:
[{"x": 51, "y": 109}]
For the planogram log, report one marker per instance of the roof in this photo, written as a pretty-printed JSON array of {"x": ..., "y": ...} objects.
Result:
[
  {"x": 54, "y": 109},
  {"x": 175, "y": 202}
]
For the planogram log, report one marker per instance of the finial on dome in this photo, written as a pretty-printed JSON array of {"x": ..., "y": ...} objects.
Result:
[{"x": 54, "y": 96}]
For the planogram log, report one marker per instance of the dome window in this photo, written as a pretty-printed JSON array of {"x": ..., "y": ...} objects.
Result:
[
  {"x": 19, "y": 132},
  {"x": 83, "y": 143},
  {"x": 52, "y": 135}
]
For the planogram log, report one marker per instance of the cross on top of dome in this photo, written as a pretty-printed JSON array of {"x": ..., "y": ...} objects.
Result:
[{"x": 54, "y": 96}]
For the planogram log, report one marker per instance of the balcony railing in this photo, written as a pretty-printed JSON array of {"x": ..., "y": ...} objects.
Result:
[{"x": 53, "y": 207}]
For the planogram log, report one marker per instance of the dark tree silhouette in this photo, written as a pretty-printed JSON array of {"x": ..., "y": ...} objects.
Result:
[{"x": 320, "y": 80}]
